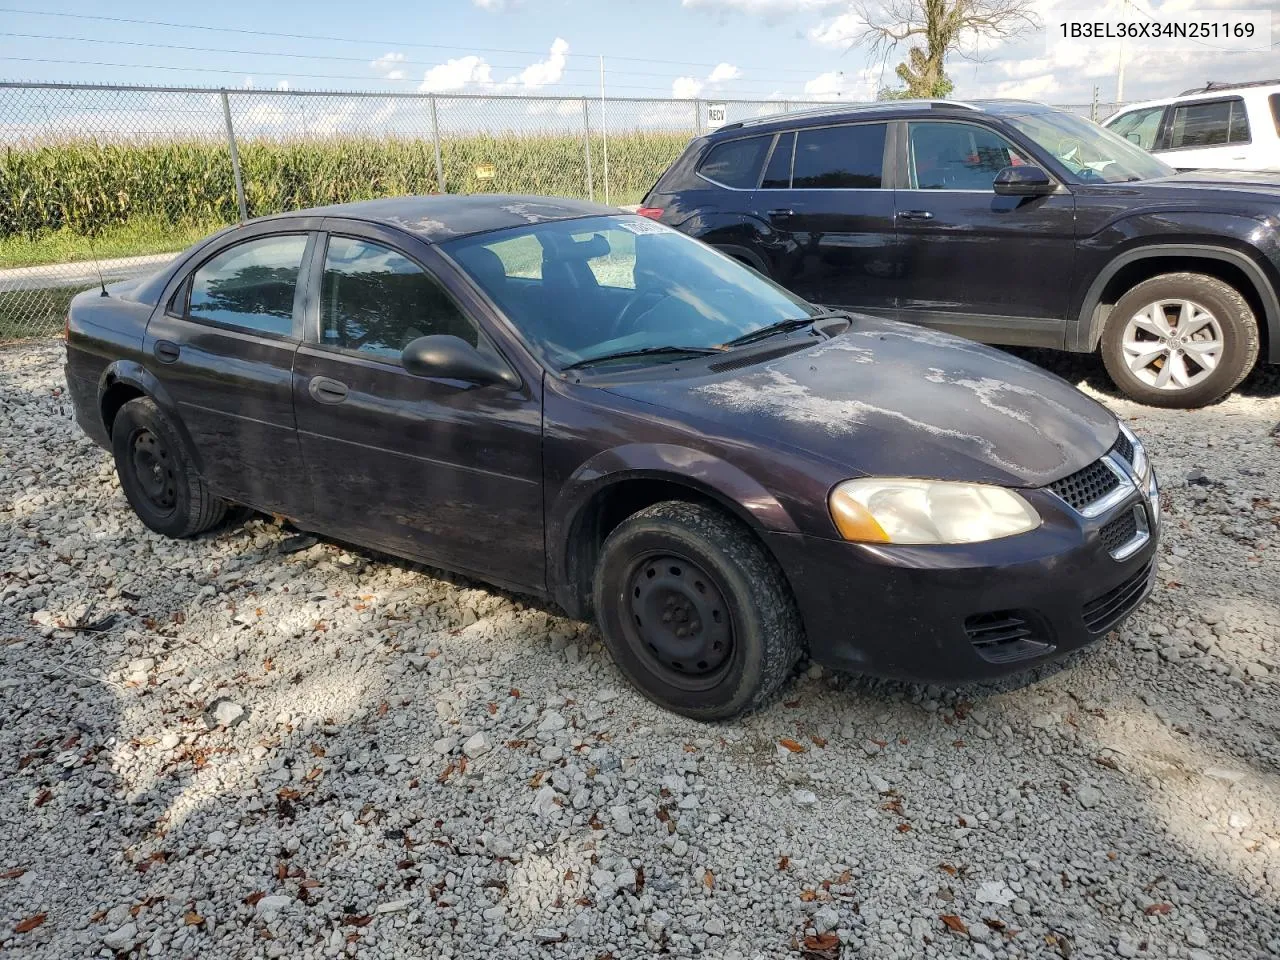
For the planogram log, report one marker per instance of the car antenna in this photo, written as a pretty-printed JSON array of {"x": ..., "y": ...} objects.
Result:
[{"x": 98, "y": 269}]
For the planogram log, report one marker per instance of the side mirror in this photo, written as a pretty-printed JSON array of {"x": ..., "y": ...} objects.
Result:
[
  {"x": 1134, "y": 138},
  {"x": 451, "y": 358},
  {"x": 1023, "y": 181}
]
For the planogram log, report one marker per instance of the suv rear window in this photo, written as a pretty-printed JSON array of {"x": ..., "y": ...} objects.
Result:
[
  {"x": 736, "y": 163},
  {"x": 839, "y": 157},
  {"x": 1208, "y": 124}
]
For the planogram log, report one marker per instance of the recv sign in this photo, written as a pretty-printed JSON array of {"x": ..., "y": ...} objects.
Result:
[{"x": 715, "y": 115}]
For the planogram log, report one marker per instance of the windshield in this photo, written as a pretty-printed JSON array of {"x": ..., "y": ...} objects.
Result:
[
  {"x": 600, "y": 286},
  {"x": 1091, "y": 153}
]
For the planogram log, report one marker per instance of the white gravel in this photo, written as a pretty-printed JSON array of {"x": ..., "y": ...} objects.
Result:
[{"x": 210, "y": 748}]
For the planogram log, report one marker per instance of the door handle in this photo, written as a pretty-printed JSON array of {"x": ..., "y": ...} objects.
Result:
[
  {"x": 780, "y": 213},
  {"x": 914, "y": 215},
  {"x": 166, "y": 352},
  {"x": 324, "y": 390}
]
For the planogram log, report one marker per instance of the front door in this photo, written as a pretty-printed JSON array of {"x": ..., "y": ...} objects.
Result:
[
  {"x": 445, "y": 471},
  {"x": 823, "y": 193},
  {"x": 994, "y": 268},
  {"x": 223, "y": 349}
]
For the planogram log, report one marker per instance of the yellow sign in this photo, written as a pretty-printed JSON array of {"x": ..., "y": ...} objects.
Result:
[{"x": 486, "y": 171}]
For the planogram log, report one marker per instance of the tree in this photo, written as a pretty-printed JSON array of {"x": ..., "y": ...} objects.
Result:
[{"x": 936, "y": 28}]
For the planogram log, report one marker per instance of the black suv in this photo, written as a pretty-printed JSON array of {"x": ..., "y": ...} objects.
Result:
[{"x": 1004, "y": 221}]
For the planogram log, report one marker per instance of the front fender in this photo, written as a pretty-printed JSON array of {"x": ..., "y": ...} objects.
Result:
[
  {"x": 696, "y": 470},
  {"x": 135, "y": 375}
]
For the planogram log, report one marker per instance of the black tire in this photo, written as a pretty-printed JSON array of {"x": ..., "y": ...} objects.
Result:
[
  {"x": 1239, "y": 330},
  {"x": 690, "y": 563},
  {"x": 157, "y": 475}
]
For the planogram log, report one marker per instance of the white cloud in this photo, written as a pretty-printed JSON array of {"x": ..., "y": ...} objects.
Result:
[
  {"x": 839, "y": 32},
  {"x": 388, "y": 65},
  {"x": 687, "y": 88},
  {"x": 724, "y": 72},
  {"x": 544, "y": 72},
  {"x": 771, "y": 9},
  {"x": 282, "y": 85},
  {"x": 493, "y": 6},
  {"x": 248, "y": 83},
  {"x": 456, "y": 74}
]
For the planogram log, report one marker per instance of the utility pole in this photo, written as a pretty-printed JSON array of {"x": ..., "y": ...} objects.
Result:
[{"x": 1120, "y": 64}]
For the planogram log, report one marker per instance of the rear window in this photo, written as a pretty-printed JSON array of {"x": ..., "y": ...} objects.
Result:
[
  {"x": 839, "y": 157},
  {"x": 735, "y": 163},
  {"x": 1210, "y": 124}
]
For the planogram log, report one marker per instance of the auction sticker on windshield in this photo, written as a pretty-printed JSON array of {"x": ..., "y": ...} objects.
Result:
[
  {"x": 1071, "y": 35},
  {"x": 643, "y": 225}
]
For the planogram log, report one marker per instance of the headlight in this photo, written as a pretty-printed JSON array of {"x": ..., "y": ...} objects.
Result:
[
  {"x": 878, "y": 510},
  {"x": 1140, "y": 463}
]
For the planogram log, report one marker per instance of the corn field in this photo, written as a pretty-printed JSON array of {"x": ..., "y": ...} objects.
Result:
[{"x": 86, "y": 186}]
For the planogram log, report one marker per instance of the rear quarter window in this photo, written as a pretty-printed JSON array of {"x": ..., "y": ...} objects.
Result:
[
  {"x": 1274, "y": 100},
  {"x": 736, "y": 163}
]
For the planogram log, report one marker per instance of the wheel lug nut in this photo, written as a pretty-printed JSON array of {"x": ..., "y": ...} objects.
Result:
[{"x": 682, "y": 632}]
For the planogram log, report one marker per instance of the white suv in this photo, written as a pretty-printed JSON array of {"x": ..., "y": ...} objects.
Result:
[{"x": 1220, "y": 126}]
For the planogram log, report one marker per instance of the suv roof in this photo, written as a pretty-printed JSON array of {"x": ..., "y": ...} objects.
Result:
[
  {"x": 1216, "y": 87},
  {"x": 896, "y": 107}
]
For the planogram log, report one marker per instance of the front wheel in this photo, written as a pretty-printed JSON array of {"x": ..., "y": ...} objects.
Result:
[
  {"x": 695, "y": 611},
  {"x": 1180, "y": 340}
]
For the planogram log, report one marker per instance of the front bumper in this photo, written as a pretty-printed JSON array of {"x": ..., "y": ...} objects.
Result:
[{"x": 950, "y": 614}]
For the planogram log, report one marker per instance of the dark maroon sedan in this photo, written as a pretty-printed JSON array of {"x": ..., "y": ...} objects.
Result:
[{"x": 591, "y": 407}]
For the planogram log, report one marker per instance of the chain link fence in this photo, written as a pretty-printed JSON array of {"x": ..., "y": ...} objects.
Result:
[{"x": 102, "y": 183}]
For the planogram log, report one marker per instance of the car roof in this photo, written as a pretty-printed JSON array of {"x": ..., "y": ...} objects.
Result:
[
  {"x": 1211, "y": 91},
  {"x": 886, "y": 109},
  {"x": 439, "y": 217}
]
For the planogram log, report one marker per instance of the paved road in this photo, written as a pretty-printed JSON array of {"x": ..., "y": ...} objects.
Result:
[{"x": 83, "y": 274}]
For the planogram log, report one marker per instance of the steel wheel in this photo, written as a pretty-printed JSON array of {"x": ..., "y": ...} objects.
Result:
[
  {"x": 153, "y": 469},
  {"x": 677, "y": 621},
  {"x": 1173, "y": 344}
]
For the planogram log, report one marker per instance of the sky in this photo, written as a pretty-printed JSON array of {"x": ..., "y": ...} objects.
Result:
[{"x": 714, "y": 49}]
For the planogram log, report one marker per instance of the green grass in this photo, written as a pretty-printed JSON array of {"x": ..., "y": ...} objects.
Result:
[{"x": 130, "y": 239}]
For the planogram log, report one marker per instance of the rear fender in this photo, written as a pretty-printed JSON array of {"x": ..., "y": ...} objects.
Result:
[{"x": 134, "y": 374}]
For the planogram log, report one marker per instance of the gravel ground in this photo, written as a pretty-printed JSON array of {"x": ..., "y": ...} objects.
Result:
[{"x": 218, "y": 748}]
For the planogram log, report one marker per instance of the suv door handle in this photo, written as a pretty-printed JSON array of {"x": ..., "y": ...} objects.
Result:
[
  {"x": 324, "y": 390},
  {"x": 782, "y": 213},
  {"x": 166, "y": 352},
  {"x": 914, "y": 215}
]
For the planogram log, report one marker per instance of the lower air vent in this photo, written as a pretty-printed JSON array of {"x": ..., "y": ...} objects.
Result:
[
  {"x": 1006, "y": 635},
  {"x": 1104, "y": 612},
  {"x": 750, "y": 359},
  {"x": 1118, "y": 532}
]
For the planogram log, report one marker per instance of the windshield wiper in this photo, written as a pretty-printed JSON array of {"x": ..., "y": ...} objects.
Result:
[
  {"x": 643, "y": 352},
  {"x": 782, "y": 326}
]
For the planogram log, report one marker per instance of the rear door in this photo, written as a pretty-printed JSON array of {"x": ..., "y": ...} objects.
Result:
[
  {"x": 442, "y": 470},
  {"x": 992, "y": 268},
  {"x": 223, "y": 349},
  {"x": 825, "y": 195},
  {"x": 1212, "y": 134}
]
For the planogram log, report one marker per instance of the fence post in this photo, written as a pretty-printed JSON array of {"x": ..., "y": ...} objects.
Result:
[
  {"x": 586, "y": 147},
  {"x": 697, "y": 118},
  {"x": 235, "y": 158},
  {"x": 435, "y": 139}
]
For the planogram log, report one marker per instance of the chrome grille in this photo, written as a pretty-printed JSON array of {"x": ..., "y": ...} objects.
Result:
[
  {"x": 1086, "y": 486},
  {"x": 1124, "y": 449},
  {"x": 1118, "y": 532}
]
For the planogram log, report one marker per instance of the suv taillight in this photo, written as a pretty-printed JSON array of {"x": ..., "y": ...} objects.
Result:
[{"x": 653, "y": 213}]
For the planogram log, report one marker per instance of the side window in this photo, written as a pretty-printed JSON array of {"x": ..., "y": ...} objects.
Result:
[
  {"x": 849, "y": 157},
  {"x": 1238, "y": 132},
  {"x": 735, "y": 163},
  {"x": 1200, "y": 124},
  {"x": 376, "y": 300},
  {"x": 251, "y": 285},
  {"x": 777, "y": 175},
  {"x": 1140, "y": 126},
  {"x": 957, "y": 156}
]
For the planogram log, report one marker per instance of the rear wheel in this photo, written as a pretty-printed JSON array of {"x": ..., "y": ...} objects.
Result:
[
  {"x": 1180, "y": 340},
  {"x": 157, "y": 475},
  {"x": 695, "y": 611}
]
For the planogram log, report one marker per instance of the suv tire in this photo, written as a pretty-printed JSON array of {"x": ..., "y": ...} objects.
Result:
[
  {"x": 695, "y": 611},
  {"x": 157, "y": 475},
  {"x": 1156, "y": 336}
]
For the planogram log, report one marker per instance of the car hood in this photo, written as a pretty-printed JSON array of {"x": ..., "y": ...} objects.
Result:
[
  {"x": 889, "y": 399},
  {"x": 1261, "y": 184}
]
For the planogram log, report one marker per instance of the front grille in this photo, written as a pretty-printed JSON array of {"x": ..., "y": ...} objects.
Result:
[
  {"x": 1104, "y": 612},
  {"x": 1124, "y": 449},
  {"x": 1005, "y": 636},
  {"x": 1120, "y": 531},
  {"x": 1086, "y": 486}
]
